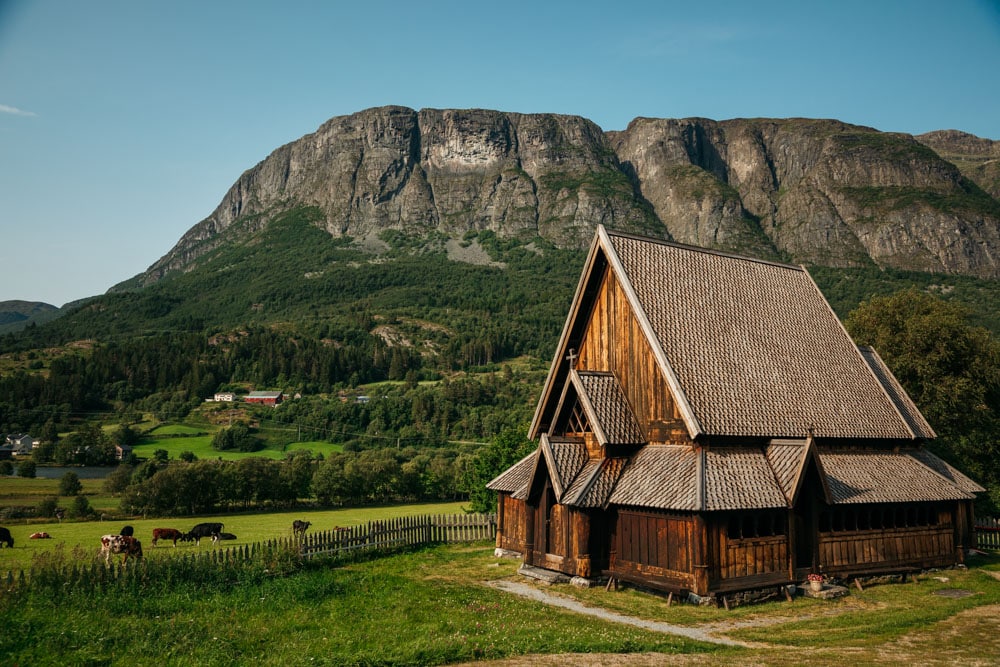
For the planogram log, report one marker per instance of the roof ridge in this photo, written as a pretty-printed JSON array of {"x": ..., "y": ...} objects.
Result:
[{"x": 707, "y": 251}]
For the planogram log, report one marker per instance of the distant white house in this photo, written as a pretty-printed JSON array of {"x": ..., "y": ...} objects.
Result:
[
  {"x": 225, "y": 397},
  {"x": 22, "y": 443}
]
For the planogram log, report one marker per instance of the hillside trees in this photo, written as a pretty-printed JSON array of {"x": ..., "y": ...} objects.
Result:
[{"x": 950, "y": 368}]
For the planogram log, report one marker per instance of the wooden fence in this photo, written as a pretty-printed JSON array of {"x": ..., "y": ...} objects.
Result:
[
  {"x": 988, "y": 533},
  {"x": 374, "y": 536},
  {"x": 400, "y": 532}
]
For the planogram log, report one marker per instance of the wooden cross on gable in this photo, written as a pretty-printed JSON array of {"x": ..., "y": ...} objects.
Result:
[{"x": 572, "y": 357}]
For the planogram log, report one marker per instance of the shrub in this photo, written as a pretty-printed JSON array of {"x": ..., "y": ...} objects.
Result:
[
  {"x": 26, "y": 469},
  {"x": 47, "y": 507},
  {"x": 69, "y": 484}
]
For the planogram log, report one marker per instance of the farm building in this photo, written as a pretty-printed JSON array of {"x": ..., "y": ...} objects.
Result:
[
  {"x": 707, "y": 426},
  {"x": 264, "y": 397}
]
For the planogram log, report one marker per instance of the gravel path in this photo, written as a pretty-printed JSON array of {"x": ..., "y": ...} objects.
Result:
[{"x": 526, "y": 591}]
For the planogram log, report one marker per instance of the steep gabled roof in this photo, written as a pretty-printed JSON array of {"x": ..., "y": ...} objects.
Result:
[
  {"x": 904, "y": 404},
  {"x": 747, "y": 347},
  {"x": 610, "y": 415}
]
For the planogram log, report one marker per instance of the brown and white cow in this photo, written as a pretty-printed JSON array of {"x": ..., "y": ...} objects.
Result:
[
  {"x": 171, "y": 534},
  {"x": 126, "y": 545}
]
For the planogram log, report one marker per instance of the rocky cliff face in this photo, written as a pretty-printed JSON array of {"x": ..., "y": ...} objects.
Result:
[
  {"x": 978, "y": 159},
  {"x": 809, "y": 191}
]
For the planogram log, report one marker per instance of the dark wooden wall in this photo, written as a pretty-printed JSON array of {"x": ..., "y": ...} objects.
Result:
[
  {"x": 512, "y": 523},
  {"x": 886, "y": 549},
  {"x": 614, "y": 342},
  {"x": 654, "y": 548}
]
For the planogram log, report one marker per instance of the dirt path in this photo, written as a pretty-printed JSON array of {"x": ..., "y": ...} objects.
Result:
[{"x": 530, "y": 592}]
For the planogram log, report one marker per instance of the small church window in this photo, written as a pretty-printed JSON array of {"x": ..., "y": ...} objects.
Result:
[{"x": 578, "y": 422}]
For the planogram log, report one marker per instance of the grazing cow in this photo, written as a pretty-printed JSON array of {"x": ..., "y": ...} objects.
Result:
[
  {"x": 6, "y": 538},
  {"x": 299, "y": 528},
  {"x": 39, "y": 536},
  {"x": 166, "y": 534},
  {"x": 127, "y": 531},
  {"x": 126, "y": 545},
  {"x": 204, "y": 530},
  {"x": 226, "y": 536}
]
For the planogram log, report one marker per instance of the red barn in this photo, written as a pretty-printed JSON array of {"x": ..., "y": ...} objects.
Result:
[{"x": 271, "y": 398}]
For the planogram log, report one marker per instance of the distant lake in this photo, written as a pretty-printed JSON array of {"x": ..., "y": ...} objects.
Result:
[{"x": 83, "y": 472}]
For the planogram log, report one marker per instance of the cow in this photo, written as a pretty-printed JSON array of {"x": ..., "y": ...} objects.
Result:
[
  {"x": 6, "y": 538},
  {"x": 204, "y": 530},
  {"x": 127, "y": 531},
  {"x": 126, "y": 545},
  {"x": 226, "y": 536},
  {"x": 39, "y": 536},
  {"x": 299, "y": 528},
  {"x": 166, "y": 534}
]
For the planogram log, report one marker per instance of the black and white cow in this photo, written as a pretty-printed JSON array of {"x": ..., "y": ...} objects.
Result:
[{"x": 204, "y": 530}]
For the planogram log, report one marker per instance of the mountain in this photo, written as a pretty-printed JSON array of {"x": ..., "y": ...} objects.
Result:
[
  {"x": 15, "y": 315},
  {"x": 819, "y": 192},
  {"x": 977, "y": 159}
]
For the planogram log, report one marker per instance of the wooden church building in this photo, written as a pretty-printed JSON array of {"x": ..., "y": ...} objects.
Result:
[{"x": 708, "y": 426}]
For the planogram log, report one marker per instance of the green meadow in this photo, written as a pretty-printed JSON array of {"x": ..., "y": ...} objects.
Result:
[{"x": 248, "y": 528}]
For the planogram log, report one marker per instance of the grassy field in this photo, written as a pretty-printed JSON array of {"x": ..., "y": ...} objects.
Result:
[
  {"x": 430, "y": 607},
  {"x": 248, "y": 528},
  {"x": 25, "y": 492},
  {"x": 177, "y": 438}
]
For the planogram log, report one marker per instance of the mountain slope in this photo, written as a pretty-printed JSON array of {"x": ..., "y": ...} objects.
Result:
[
  {"x": 811, "y": 191},
  {"x": 15, "y": 315}
]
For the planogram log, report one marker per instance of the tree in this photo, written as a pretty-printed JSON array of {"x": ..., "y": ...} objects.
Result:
[
  {"x": 161, "y": 455},
  {"x": 506, "y": 449},
  {"x": 125, "y": 435},
  {"x": 80, "y": 508},
  {"x": 187, "y": 456},
  {"x": 6, "y": 468},
  {"x": 950, "y": 369},
  {"x": 26, "y": 469},
  {"x": 118, "y": 479},
  {"x": 69, "y": 484},
  {"x": 239, "y": 436},
  {"x": 47, "y": 507}
]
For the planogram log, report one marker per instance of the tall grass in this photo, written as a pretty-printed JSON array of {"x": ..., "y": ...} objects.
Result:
[{"x": 423, "y": 607}]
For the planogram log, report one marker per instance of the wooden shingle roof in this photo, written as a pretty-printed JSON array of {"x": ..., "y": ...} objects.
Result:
[
  {"x": 514, "y": 477},
  {"x": 904, "y": 404},
  {"x": 740, "y": 478},
  {"x": 876, "y": 476},
  {"x": 595, "y": 483},
  {"x": 660, "y": 476},
  {"x": 945, "y": 470},
  {"x": 754, "y": 346},
  {"x": 564, "y": 459},
  {"x": 611, "y": 416}
]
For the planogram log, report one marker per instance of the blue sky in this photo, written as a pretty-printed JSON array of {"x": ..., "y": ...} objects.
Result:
[{"x": 123, "y": 123}]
